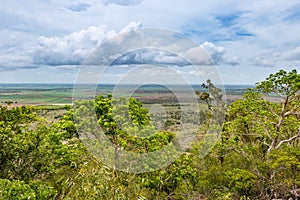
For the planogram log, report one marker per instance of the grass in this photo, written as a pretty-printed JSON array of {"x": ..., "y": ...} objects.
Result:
[{"x": 37, "y": 97}]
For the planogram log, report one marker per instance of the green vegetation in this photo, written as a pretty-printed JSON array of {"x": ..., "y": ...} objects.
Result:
[
  {"x": 256, "y": 156},
  {"x": 36, "y": 96}
]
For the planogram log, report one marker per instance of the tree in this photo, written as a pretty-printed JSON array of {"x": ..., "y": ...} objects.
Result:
[
  {"x": 271, "y": 123},
  {"x": 128, "y": 126},
  {"x": 287, "y": 86},
  {"x": 261, "y": 133},
  {"x": 213, "y": 97},
  {"x": 215, "y": 116},
  {"x": 36, "y": 157},
  {"x": 256, "y": 157}
]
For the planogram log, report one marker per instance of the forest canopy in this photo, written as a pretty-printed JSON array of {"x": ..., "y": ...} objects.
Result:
[{"x": 257, "y": 155}]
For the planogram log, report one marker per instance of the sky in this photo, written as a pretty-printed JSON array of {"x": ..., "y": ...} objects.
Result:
[{"x": 241, "y": 41}]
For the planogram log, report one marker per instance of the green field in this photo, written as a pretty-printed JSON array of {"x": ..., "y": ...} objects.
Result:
[{"x": 37, "y": 94}]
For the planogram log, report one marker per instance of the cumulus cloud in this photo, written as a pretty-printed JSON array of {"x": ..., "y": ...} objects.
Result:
[
  {"x": 233, "y": 61},
  {"x": 284, "y": 54},
  {"x": 71, "y": 49},
  {"x": 205, "y": 54},
  {"x": 122, "y": 2},
  {"x": 150, "y": 56},
  {"x": 264, "y": 61},
  {"x": 216, "y": 53},
  {"x": 198, "y": 56},
  {"x": 132, "y": 26},
  {"x": 17, "y": 61},
  {"x": 209, "y": 54},
  {"x": 155, "y": 46}
]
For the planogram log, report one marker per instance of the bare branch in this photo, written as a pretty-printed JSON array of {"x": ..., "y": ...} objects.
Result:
[
  {"x": 271, "y": 146},
  {"x": 273, "y": 123},
  {"x": 292, "y": 113},
  {"x": 282, "y": 116},
  {"x": 266, "y": 144},
  {"x": 288, "y": 140},
  {"x": 269, "y": 136}
]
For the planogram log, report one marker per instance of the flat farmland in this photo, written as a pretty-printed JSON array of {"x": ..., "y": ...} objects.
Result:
[{"x": 53, "y": 94}]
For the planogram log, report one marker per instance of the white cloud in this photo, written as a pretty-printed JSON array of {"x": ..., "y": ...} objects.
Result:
[
  {"x": 71, "y": 49},
  {"x": 197, "y": 56},
  {"x": 292, "y": 55},
  {"x": 264, "y": 61},
  {"x": 195, "y": 73},
  {"x": 275, "y": 57},
  {"x": 210, "y": 54},
  {"x": 214, "y": 51},
  {"x": 131, "y": 26},
  {"x": 157, "y": 46},
  {"x": 16, "y": 61},
  {"x": 233, "y": 61},
  {"x": 75, "y": 47},
  {"x": 14, "y": 50},
  {"x": 246, "y": 33},
  {"x": 122, "y": 2},
  {"x": 150, "y": 56}
]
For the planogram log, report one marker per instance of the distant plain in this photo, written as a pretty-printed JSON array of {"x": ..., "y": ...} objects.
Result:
[{"x": 60, "y": 94}]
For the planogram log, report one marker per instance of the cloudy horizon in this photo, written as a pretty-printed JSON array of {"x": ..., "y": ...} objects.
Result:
[{"x": 47, "y": 41}]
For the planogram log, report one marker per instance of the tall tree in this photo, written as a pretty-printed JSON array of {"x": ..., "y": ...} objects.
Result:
[{"x": 287, "y": 86}]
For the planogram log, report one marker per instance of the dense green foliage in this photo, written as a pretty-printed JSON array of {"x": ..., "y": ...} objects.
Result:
[{"x": 257, "y": 155}]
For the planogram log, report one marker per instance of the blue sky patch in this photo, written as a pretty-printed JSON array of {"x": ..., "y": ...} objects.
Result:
[
  {"x": 228, "y": 20},
  {"x": 292, "y": 14},
  {"x": 79, "y": 7}
]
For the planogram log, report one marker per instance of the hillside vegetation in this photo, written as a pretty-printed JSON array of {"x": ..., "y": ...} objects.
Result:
[{"x": 256, "y": 156}]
